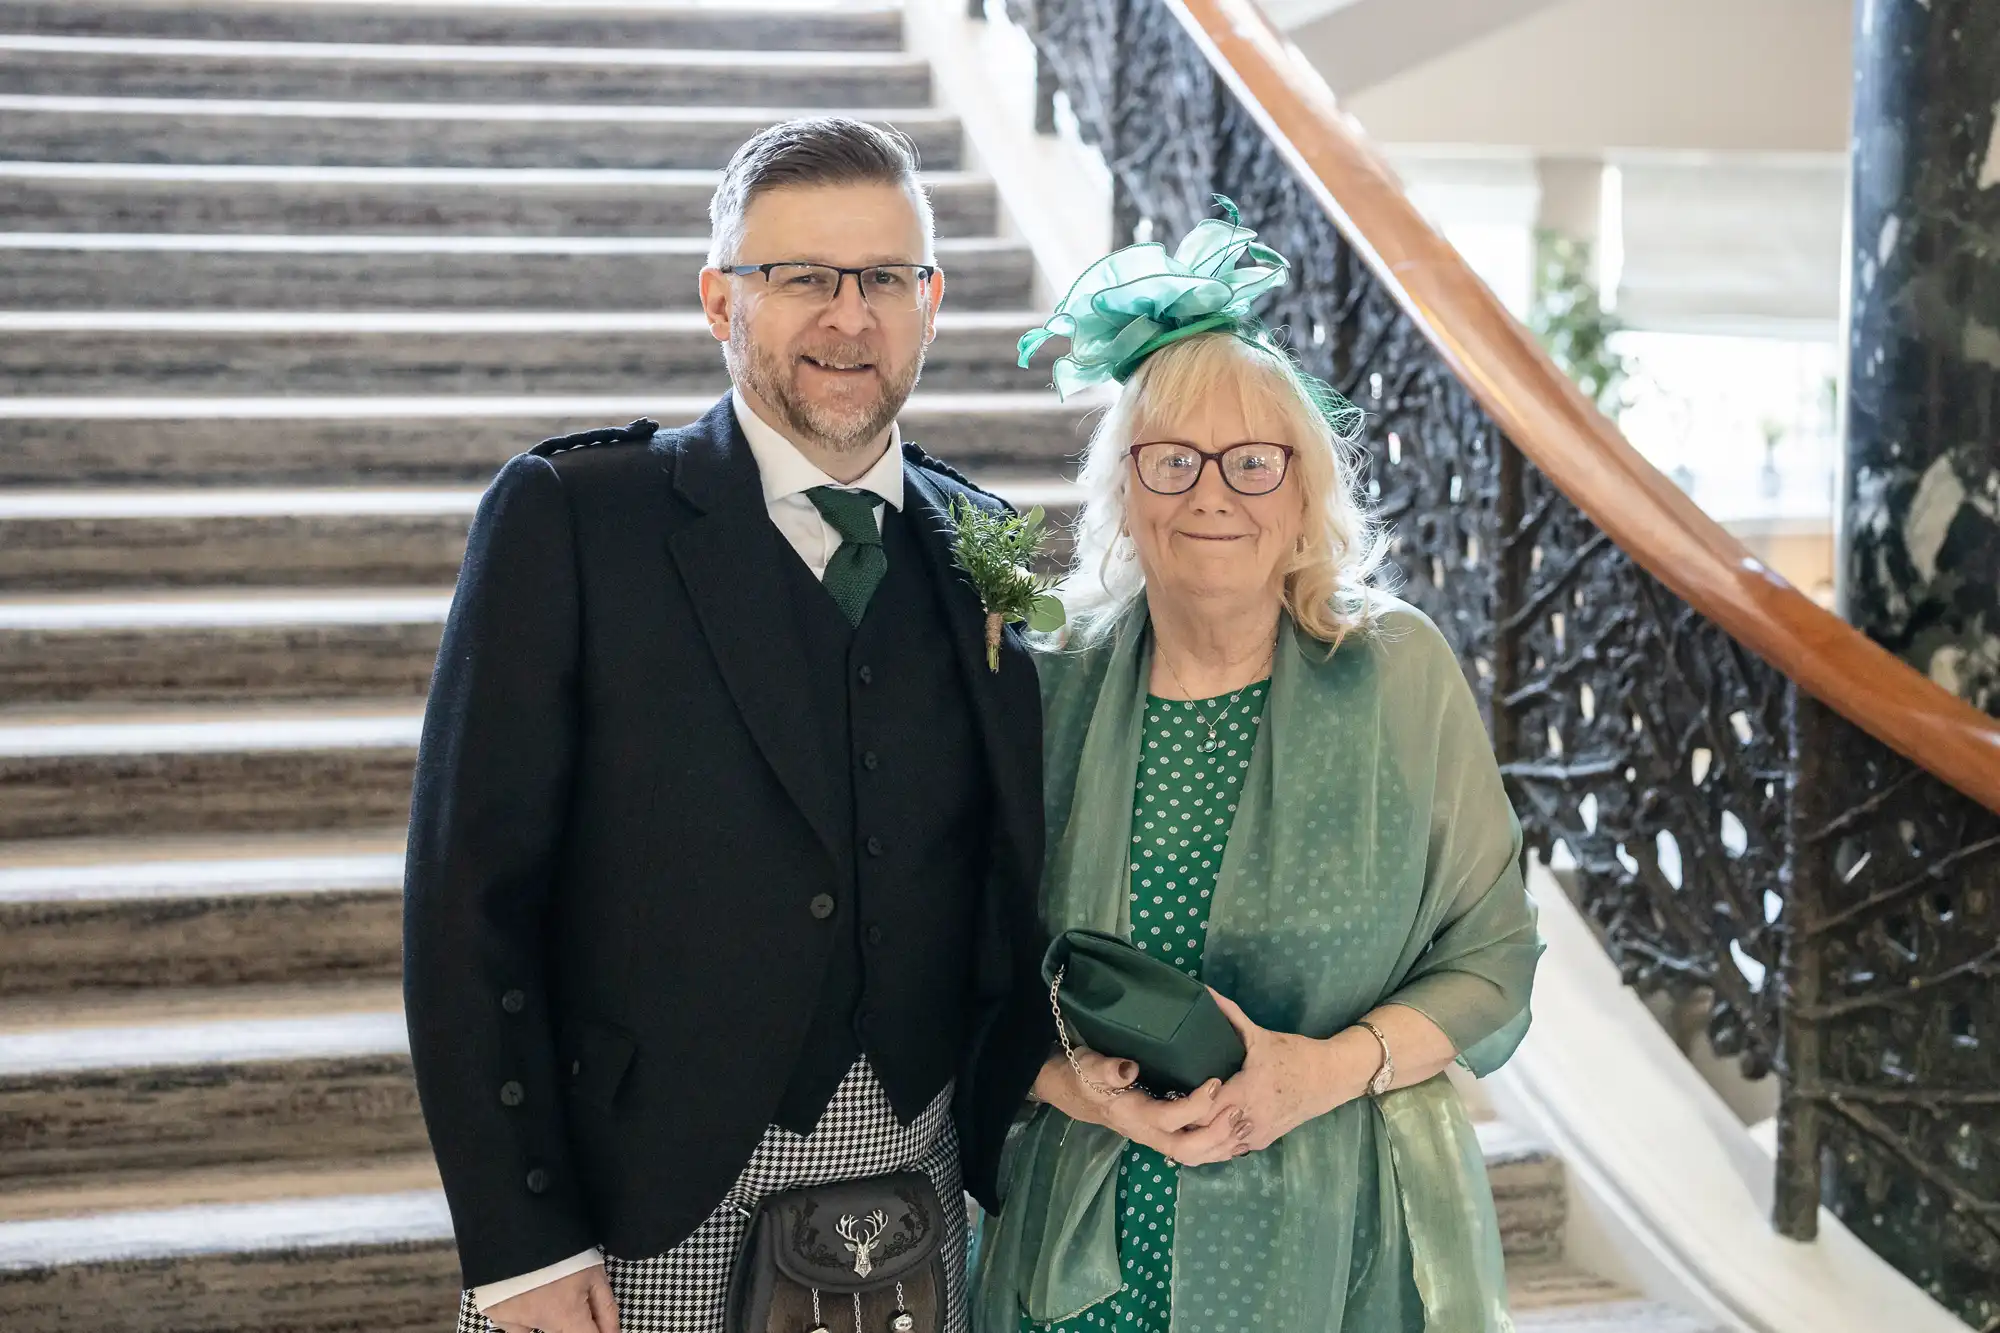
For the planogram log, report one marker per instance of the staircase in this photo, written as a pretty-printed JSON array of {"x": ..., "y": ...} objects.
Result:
[{"x": 284, "y": 281}]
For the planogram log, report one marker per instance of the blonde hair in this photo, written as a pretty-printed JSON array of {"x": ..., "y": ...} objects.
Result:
[{"x": 1326, "y": 583}]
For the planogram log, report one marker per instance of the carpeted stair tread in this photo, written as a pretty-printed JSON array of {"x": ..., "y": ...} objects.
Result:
[
  {"x": 426, "y": 200},
  {"x": 92, "y": 771},
  {"x": 416, "y": 135},
  {"x": 854, "y": 25},
  {"x": 430, "y": 352},
  {"x": 218, "y": 645},
  {"x": 90, "y": 915},
  {"x": 224, "y": 271},
  {"x": 57, "y": 65},
  {"x": 95, "y": 1082}
]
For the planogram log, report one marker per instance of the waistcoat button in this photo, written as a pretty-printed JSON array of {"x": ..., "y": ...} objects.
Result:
[
  {"x": 874, "y": 845},
  {"x": 822, "y": 906},
  {"x": 538, "y": 1181},
  {"x": 869, "y": 761},
  {"x": 514, "y": 1001},
  {"x": 867, "y": 675},
  {"x": 510, "y": 1094}
]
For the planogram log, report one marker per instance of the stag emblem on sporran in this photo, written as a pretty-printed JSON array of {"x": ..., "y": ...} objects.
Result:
[{"x": 862, "y": 1236}]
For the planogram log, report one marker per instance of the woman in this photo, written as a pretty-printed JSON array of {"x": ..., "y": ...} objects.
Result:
[{"x": 1274, "y": 776}]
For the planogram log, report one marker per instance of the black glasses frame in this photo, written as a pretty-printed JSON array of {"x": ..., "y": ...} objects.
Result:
[
  {"x": 1215, "y": 458},
  {"x": 924, "y": 273}
]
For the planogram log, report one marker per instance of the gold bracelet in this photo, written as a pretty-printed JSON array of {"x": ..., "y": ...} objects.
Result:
[{"x": 1386, "y": 1075}]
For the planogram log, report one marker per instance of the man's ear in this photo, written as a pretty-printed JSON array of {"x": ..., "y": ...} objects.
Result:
[
  {"x": 936, "y": 300},
  {"x": 717, "y": 303}
]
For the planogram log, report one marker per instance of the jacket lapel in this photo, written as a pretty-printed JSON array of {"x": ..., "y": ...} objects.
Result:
[
  {"x": 1007, "y": 703},
  {"x": 730, "y": 560}
]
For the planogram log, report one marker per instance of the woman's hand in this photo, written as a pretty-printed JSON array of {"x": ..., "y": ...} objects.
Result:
[
  {"x": 1287, "y": 1079},
  {"x": 1193, "y": 1130}
]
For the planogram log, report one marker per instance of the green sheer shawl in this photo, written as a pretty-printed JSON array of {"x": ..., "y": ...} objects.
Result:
[{"x": 1374, "y": 858}]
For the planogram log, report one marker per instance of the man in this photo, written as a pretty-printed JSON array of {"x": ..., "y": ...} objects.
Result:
[{"x": 724, "y": 841}]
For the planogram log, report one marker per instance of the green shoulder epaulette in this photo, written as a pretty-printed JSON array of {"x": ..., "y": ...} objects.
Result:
[
  {"x": 913, "y": 452},
  {"x": 638, "y": 432}
]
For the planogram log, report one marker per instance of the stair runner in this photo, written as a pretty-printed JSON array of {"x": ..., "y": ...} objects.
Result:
[{"x": 282, "y": 282}]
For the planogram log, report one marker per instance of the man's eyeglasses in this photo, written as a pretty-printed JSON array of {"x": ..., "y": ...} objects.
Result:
[
  {"x": 891, "y": 288},
  {"x": 1171, "y": 467}
]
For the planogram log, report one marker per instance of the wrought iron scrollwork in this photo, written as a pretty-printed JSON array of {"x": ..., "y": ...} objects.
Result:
[{"x": 1735, "y": 844}]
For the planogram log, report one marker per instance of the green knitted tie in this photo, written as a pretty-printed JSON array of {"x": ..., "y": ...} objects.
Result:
[{"x": 860, "y": 563}]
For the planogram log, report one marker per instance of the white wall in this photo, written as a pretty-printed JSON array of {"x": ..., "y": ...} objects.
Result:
[{"x": 1583, "y": 76}]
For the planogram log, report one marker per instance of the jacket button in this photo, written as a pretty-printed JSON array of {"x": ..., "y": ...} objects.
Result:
[
  {"x": 867, "y": 675},
  {"x": 822, "y": 906},
  {"x": 870, "y": 762},
  {"x": 510, "y": 1094},
  {"x": 514, "y": 1001},
  {"x": 538, "y": 1181},
  {"x": 874, "y": 846}
]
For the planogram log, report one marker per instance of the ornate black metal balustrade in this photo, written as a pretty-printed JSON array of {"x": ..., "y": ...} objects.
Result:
[{"x": 1734, "y": 841}]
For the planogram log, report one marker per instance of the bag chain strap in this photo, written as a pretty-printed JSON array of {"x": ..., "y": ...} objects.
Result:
[{"x": 1062, "y": 1031}]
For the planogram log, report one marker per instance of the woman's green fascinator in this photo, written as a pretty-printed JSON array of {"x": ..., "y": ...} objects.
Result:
[{"x": 1135, "y": 301}]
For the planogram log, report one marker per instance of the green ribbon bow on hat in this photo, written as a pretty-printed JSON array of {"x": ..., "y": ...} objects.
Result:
[{"x": 1135, "y": 301}]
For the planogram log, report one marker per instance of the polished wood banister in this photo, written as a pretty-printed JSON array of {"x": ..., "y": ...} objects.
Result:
[{"x": 1563, "y": 433}]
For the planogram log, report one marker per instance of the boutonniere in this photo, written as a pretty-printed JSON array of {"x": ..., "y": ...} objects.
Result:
[{"x": 997, "y": 552}]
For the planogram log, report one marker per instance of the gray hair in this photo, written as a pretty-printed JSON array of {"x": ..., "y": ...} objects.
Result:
[{"x": 813, "y": 150}]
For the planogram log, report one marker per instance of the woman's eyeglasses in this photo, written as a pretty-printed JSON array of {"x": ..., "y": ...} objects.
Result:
[{"x": 1170, "y": 467}]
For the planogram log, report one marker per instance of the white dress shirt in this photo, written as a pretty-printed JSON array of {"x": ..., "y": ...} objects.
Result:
[{"x": 787, "y": 475}]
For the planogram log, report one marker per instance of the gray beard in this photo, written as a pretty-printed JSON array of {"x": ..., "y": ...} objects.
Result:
[{"x": 764, "y": 374}]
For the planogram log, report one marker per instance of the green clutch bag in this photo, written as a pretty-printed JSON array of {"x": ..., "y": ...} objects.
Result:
[{"x": 1129, "y": 1005}]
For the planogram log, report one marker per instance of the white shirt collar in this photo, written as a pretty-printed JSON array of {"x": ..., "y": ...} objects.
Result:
[{"x": 786, "y": 472}]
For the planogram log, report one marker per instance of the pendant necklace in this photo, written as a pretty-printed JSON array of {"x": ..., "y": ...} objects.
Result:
[{"x": 1214, "y": 742}]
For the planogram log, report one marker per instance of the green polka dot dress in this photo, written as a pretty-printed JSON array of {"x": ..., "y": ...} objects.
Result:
[{"x": 1184, "y": 803}]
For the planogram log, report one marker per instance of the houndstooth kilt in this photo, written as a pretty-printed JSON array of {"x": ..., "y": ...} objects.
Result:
[{"x": 683, "y": 1290}]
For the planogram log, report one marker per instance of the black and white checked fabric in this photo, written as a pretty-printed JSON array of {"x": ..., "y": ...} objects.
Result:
[{"x": 683, "y": 1290}]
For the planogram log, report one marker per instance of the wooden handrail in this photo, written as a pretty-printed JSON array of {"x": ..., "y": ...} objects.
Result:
[{"x": 1565, "y": 435}]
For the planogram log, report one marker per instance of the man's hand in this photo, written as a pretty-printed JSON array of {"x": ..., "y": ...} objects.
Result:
[{"x": 579, "y": 1303}]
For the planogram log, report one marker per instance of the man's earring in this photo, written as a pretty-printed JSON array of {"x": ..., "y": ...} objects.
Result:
[
  {"x": 1127, "y": 548},
  {"x": 1300, "y": 546}
]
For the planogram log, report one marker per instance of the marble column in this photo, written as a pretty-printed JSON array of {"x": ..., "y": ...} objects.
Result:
[{"x": 1920, "y": 521}]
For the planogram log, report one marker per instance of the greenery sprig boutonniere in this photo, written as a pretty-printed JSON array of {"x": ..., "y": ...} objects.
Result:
[{"x": 997, "y": 553}]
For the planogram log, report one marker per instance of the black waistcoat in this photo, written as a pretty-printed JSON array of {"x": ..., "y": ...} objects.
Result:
[{"x": 902, "y": 753}]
